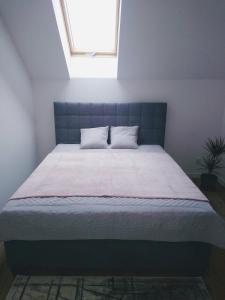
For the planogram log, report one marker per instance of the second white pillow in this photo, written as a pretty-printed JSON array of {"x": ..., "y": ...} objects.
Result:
[{"x": 124, "y": 137}]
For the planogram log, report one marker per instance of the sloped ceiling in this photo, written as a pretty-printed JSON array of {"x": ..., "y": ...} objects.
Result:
[
  {"x": 159, "y": 39},
  {"x": 172, "y": 39},
  {"x": 33, "y": 28}
]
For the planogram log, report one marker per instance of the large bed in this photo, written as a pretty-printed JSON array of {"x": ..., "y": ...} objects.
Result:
[{"x": 65, "y": 232}]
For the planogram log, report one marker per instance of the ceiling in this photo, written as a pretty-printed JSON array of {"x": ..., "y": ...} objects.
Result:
[
  {"x": 33, "y": 28},
  {"x": 173, "y": 39}
]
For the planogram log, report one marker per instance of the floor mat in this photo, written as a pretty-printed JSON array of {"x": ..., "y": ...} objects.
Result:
[{"x": 107, "y": 288}]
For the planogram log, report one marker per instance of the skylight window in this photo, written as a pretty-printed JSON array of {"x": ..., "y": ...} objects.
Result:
[{"x": 92, "y": 26}]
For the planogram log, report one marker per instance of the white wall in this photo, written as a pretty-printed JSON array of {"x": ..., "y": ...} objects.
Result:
[
  {"x": 159, "y": 39},
  {"x": 223, "y": 123},
  {"x": 17, "y": 138},
  {"x": 32, "y": 25},
  {"x": 222, "y": 133},
  {"x": 175, "y": 39},
  {"x": 195, "y": 109}
]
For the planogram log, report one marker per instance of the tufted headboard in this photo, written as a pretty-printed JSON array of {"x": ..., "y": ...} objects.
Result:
[{"x": 71, "y": 117}]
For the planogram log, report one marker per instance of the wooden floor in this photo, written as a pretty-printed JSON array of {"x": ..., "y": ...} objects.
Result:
[
  {"x": 215, "y": 277},
  {"x": 6, "y": 276}
]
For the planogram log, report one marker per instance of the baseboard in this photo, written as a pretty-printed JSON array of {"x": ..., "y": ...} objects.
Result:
[
  {"x": 221, "y": 178},
  {"x": 193, "y": 174}
]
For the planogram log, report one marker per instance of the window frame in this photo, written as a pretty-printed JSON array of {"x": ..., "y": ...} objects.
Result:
[{"x": 71, "y": 41}]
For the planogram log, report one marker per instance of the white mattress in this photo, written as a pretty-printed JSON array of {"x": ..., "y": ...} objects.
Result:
[{"x": 111, "y": 218}]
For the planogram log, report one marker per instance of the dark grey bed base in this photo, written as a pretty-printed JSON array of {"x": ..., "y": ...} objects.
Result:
[
  {"x": 113, "y": 257},
  {"x": 108, "y": 256}
]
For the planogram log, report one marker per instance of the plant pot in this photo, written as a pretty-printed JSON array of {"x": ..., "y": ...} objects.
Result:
[{"x": 208, "y": 182}]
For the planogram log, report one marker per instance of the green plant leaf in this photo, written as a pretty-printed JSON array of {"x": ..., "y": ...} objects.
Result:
[
  {"x": 215, "y": 147},
  {"x": 211, "y": 163}
]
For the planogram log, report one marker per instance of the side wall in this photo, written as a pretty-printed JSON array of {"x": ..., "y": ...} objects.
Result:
[
  {"x": 222, "y": 173},
  {"x": 17, "y": 134},
  {"x": 195, "y": 109},
  {"x": 223, "y": 123}
]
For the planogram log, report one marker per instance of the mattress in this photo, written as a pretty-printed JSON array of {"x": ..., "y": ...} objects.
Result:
[{"x": 71, "y": 218}]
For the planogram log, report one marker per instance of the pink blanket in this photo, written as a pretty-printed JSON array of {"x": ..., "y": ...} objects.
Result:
[{"x": 109, "y": 174}]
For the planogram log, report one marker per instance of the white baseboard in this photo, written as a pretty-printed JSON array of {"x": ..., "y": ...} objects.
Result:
[
  {"x": 221, "y": 178},
  {"x": 193, "y": 174}
]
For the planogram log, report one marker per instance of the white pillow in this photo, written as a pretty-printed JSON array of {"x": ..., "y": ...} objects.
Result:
[
  {"x": 124, "y": 137},
  {"x": 94, "y": 138}
]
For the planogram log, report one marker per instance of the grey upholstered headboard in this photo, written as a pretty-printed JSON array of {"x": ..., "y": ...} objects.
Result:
[{"x": 70, "y": 117}]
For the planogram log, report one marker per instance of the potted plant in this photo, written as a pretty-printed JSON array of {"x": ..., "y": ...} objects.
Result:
[{"x": 211, "y": 162}]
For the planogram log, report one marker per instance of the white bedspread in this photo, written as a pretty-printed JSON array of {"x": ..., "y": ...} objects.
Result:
[
  {"x": 109, "y": 173},
  {"x": 58, "y": 218}
]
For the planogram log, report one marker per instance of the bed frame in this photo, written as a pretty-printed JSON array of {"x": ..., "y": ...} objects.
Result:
[
  {"x": 71, "y": 117},
  {"x": 108, "y": 256}
]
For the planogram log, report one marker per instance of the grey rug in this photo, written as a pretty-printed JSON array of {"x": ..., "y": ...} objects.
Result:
[{"x": 107, "y": 288}]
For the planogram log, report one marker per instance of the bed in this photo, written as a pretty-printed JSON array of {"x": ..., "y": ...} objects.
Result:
[{"x": 76, "y": 234}]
